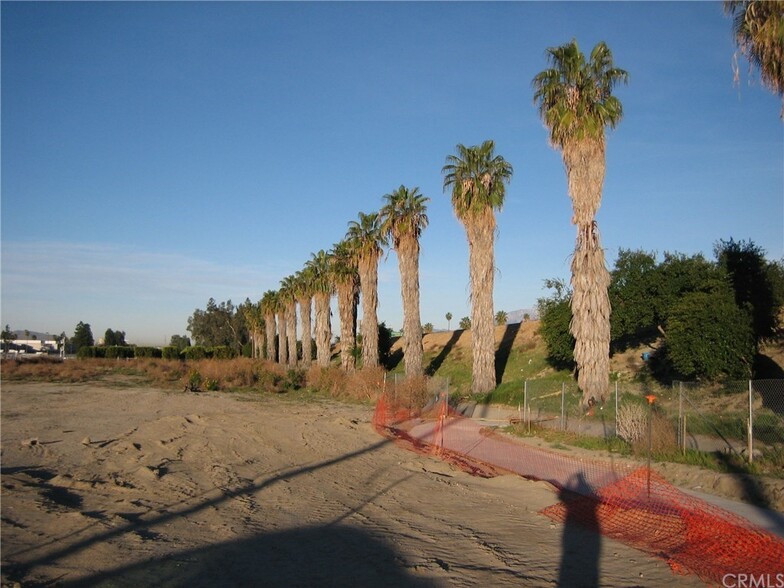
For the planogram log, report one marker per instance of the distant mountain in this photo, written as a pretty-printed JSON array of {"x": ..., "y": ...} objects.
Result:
[
  {"x": 33, "y": 336},
  {"x": 516, "y": 316}
]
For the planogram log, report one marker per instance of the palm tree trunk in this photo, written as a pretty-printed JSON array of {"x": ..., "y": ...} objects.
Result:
[
  {"x": 408, "y": 264},
  {"x": 480, "y": 229},
  {"x": 323, "y": 329},
  {"x": 291, "y": 331},
  {"x": 590, "y": 326},
  {"x": 307, "y": 339},
  {"x": 368, "y": 280},
  {"x": 347, "y": 327},
  {"x": 269, "y": 327},
  {"x": 282, "y": 340}
]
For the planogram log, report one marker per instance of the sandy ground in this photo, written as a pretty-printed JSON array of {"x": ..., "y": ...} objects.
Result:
[{"x": 113, "y": 486}]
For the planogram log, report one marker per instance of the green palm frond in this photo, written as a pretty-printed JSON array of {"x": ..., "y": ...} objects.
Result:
[
  {"x": 575, "y": 97},
  {"x": 364, "y": 236},
  {"x": 477, "y": 177},
  {"x": 319, "y": 267},
  {"x": 404, "y": 214}
]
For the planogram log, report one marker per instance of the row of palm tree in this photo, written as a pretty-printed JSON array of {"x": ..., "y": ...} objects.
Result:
[
  {"x": 575, "y": 102},
  {"x": 349, "y": 270}
]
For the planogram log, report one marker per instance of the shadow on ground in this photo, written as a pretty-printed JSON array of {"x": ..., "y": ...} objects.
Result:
[
  {"x": 504, "y": 349},
  {"x": 331, "y": 555}
]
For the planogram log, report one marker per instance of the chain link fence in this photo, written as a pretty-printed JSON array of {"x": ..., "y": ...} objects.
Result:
[{"x": 741, "y": 417}]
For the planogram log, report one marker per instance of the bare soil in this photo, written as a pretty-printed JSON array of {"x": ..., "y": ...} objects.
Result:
[{"x": 125, "y": 486}]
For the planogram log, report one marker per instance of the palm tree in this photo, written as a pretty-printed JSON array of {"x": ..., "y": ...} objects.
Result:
[
  {"x": 366, "y": 240},
  {"x": 269, "y": 305},
  {"x": 318, "y": 265},
  {"x": 477, "y": 177},
  {"x": 280, "y": 310},
  {"x": 254, "y": 318},
  {"x": 449, "y": 321},
  {"x": 303, "y": 291},
  {"x": 288, "y": 298},
  {"x": 403, "y": 219},
  {"x": 345, "y": 276},
  {"x": 758, "y": 26},
  {"x": 575, "y": 102},
  {"x": 501, "y": 317}
]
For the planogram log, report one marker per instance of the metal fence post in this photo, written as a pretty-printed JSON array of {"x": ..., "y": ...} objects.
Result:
[
  {"x": 751, "y": 423},
  {"x": 681, "y": 420},
  {"x": 616, "y": 407},
  {"x": 563, "y": 402}
]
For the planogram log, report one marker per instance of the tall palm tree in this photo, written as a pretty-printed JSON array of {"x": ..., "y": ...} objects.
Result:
[
  {"x": 269, "y": 305},
  {"x": 449, "y": 321},
  {"x": 288, "y": 298},
  {"x": 280, "y": 310},
  {"x": 321, "y": 281},
  {"x": 403, "y": 218},
  {"x": 254, "y": 318},
  {"x": 477, "y": 178},
  {"x": 758, "y": 26},
  {"x": 575, "y": 102},
  {"x": 343, "y": 269},
  {"x": 303, "y": 291},
  {"x": 366, "y": 241}
]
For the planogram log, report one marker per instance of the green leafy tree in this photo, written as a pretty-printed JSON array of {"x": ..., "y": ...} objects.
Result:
[
  {"x": 576, "y": 103},
  {"x": 465, "y": 323},
  {"x": 179, "y": 342},
  {"x": 501, "y": 317},
  {"x": 83, "y": 337},
  {"x": 428, "y": 328},
  {"x": 634, "y": 288},
  {"x": 111, "y": 338},
  {"x": 477, "y": 179},
  {"x": 448, "y": 321},
  {"x": 710, "y": 337},
  {"x": 555, "y": 315},
  {"x": 219, "y": 324},
  {"x": 755, "y": 282}
]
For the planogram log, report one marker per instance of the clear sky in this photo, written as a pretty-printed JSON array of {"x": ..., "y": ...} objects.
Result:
[{"x": 155, "y": 155}]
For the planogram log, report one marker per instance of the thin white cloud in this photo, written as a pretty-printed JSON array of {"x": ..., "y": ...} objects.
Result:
[{"x": 53, "y": 285}]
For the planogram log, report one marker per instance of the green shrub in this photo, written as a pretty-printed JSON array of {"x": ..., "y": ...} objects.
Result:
[
  {"x": 170, "y": 352},
  {"x": 295, "y": 379},
  {"x": 708, "y": 336},
  {"x": 195, "y": 352},
  {"x": 146, "y": 352},
  {"x": 90, "y": 351},
  {"x": 221, "y": 352},
  {"x": 118, "y": 352},
  {"x": 211, "y": 385}
]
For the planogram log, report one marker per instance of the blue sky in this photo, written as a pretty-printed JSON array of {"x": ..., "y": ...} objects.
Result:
[{"x": 155, "y": 155}]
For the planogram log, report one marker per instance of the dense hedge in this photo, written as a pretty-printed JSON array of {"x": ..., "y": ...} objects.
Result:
[
  {"x": 148, "y": 352},
  {"x": 170, "y": 353}
]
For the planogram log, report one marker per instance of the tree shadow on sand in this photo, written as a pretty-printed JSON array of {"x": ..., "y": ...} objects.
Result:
[
  {"x": 436, "y": 362},
  {"x": 259, "y": 549},
  {"x": 504, "y": 349},
  {"x": 325, "y": 555}
]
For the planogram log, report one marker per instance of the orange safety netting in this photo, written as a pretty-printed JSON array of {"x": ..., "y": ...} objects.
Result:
[{"x": 635, "y": 506}]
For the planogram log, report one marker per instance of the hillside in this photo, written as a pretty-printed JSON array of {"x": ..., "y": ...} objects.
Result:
[{"x": 521, "y": 354}]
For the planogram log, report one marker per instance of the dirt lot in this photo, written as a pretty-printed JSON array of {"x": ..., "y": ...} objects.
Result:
[{"x": 118, "y": 486}]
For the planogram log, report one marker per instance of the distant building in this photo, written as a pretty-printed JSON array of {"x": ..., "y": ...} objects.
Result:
[{"x": 33, "y": 342}]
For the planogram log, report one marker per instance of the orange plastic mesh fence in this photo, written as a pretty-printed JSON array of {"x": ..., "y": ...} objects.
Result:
[{"x": 635, "y": 506}]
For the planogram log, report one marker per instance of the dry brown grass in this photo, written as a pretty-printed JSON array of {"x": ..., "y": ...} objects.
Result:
[
  {"x": 55, "y": 370},
  {"x": 361, "y": 385}
]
